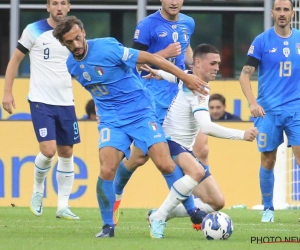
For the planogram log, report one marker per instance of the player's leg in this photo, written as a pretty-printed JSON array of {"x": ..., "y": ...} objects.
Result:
[
  {"x": 269, "y": 138},
  {"x": 293, "y": 134},
  {"x": 208, "y": 198},
  {"x": 123, "y": 174},
  {"x": 210, "y": 194},
  {"x": 190, "y": 166},
  {"x": 113, "y": 145},
  {"x": 200, "y": 149},
  {"x": 44, "y": 127},
  {"x": 181, "y": 188},
  {"x": 67, "y": 134}
]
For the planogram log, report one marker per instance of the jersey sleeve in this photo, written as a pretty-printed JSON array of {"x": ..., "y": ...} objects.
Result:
[
  {"x": 119, "y": 54},
  {"x": 255, "y": 49},
  {"x": 142, "y": 33},
  {"x": 28, "y": 37},
  {"x": 199, "y": 102}
]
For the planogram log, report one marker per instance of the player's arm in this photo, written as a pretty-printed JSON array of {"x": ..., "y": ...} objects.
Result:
[
  {"x": 10, "y": 74},
  {"x": 245, "y": 76},
  {"x": 172, "y": 50},
  {"x": 191, "y": 81},
  {"x": 189, "y": 55},
  {"x": 210, "y": 128},
  {"x": 159, "y": 74}
]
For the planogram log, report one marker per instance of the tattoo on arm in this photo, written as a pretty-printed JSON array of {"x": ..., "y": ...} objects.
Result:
[{"x": 248, "y": 69}]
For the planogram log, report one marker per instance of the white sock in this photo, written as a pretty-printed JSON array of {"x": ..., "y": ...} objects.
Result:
[
  {"x": 65, "y": 180},
  {"x": 180, "y": 190},
  {"x": 180, "y": 211},
  {"x": 119, "y": 197},
  {"x": 42, "y": 165},
  {"x": 203, "y": 206}
]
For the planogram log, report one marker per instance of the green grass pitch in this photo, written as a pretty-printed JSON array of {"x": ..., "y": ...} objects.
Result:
[{"x": 19, "y": 229}]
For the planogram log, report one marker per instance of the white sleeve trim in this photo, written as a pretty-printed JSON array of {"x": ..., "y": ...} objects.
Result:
[
  {"x": 167, "y": 76},
  {"x": 210, "y": 128}
]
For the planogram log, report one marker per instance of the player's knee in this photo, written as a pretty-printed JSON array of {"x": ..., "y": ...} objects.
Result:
[
  {"x": 198, "y": 174},
  {"x": 49, "y": 152},
  {"x": 268, "y": 163},
  {"x": 107, "y": 172},
  {"x": 219, "y": 203},
  {"x": 165, "y": 167},
  {"x": 139, "y": 161},
  {"x": 201, "y": 152}
]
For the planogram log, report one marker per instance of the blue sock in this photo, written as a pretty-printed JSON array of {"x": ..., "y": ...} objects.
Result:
[
  {"x": 266, "y": 178},
  {"x": 122, "y": 177},
  {"x": 170, "y": 179},
  {"x": 106, "y": 199},
  {"x": 189, "y": 205}
]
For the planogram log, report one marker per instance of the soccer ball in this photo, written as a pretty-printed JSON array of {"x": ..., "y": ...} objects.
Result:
[{"x": 217, "y": 226}]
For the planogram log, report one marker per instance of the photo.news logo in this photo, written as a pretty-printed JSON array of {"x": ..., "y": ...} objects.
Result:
[{"x": 274, "y": 239}]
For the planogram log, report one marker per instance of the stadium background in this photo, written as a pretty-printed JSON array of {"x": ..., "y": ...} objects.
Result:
[{"x": 233, "y": 163}]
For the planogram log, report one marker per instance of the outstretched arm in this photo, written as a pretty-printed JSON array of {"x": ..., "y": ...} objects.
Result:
[
  {"x": 191, "y": 81},
  {"x": 210, "y": 128}
]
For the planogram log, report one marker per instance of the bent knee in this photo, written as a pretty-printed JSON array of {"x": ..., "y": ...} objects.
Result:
[{"x": 166, "y": 167}]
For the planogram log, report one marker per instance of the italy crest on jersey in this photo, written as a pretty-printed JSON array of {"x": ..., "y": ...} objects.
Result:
[
  {"x": 298, "y": 48},
  {"x": 153, "y": 126},
  {"x": 185, "y": 34},
  {"x": 98, "y": 70}
]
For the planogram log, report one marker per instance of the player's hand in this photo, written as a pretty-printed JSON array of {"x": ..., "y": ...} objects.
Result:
[
  {"x": 173, "y": 49},
  {"x": 8, "y": 102},
  {"x": 250, "y": 134},
  {"x": 196, "y": 84},
  {"x": 153, "y": 73},
  {"x": 256, "y": 110}
]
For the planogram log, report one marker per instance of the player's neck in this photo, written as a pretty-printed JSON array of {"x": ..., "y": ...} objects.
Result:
[
  {"x": 283, "y": 32},
  {"x": 51, "y": 22},
  {"x": 168, "y": 17}
]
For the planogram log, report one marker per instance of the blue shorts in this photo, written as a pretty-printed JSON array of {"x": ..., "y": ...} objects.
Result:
[
  {"x": 144, "y": 133},
  {"x": 176, "y": 149},
  {"x": 161, "y": 114},
  {"x": 271, "y": 129},
  {"x": 52, "y": 122}
]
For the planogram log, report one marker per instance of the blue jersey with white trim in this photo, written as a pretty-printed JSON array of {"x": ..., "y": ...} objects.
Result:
[
  {"x": 278, "y": 80},
  {"x": 107, "y": 72},
  {"x": 157, "y": 33}
]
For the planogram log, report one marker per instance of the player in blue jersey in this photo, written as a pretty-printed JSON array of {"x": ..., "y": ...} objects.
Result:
[
  {"x": 276, "y": 54},
  {"x": 167, "y": 32},
  {"x": 51, "y": 104},
  {"x": 106, "y": 69}
]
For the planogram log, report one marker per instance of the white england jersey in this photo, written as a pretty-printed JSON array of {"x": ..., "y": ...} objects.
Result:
[
  {"x": 50, "y": 81},
  {"x": 188, "y": 113},
  {"x": 180, "y": 124}
]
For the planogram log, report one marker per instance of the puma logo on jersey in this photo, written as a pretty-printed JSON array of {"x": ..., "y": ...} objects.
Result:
[
  {"x": 163, "y": 34},
  {"x": 273, "y": 50}
]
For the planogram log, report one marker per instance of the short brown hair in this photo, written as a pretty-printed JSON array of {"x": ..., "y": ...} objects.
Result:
[
  {"x": 65, "y": 25},
  {"x": 218, "y": 97},
  {"x": 203, "y": 49}
]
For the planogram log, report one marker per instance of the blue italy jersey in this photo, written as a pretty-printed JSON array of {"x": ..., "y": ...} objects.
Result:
[
  {"x": 157, "y": 33},
  {"x": 107, "y": 72},
  {"x": 278, "y": 80}
]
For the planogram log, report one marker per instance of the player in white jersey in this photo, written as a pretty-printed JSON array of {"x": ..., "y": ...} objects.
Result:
[
  {"x": 51, "y": 104},
  {"x": 186, "y": 115}
]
